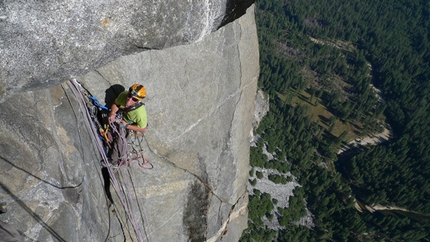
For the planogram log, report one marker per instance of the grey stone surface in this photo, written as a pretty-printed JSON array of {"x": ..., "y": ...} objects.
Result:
[
  {"x": 44, "y": 42},
  {"x": 261, "y": 108},
  {"x": 200, "y": 103}
]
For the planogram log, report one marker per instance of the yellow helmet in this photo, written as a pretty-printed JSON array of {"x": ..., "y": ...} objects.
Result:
[{"x": 137, "y": 91}]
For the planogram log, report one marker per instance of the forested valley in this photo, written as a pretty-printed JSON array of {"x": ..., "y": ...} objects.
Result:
[{"x": 320, "y": 61}]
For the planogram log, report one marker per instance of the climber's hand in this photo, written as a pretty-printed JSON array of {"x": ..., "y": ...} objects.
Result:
[
  {"x": 121, "y": 123},
  {"x": 111, "y": 118}
]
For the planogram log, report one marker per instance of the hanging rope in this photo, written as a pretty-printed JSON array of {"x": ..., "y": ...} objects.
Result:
[
  {"x": 129, "y": 139},
  {"x": 135, "y": 140},
  {"x": 123, "y": 191}
]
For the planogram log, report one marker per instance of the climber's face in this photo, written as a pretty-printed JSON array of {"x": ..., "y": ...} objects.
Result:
[{"x": 131, "y": 100}]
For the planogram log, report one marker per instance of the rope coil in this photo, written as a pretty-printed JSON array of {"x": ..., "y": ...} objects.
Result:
[{"x": 123, "y": 191}]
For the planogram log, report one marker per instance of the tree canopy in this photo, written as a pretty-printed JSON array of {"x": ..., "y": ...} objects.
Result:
[{"x": 320, "y": 62}]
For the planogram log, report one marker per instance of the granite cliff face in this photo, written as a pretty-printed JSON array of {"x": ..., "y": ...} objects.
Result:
[
  {"x": 200, "y": 102},
  {"x": 45, "y": 42}
]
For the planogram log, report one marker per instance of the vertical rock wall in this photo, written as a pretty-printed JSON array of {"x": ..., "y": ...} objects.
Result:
[{"x": 200, "y": 101}]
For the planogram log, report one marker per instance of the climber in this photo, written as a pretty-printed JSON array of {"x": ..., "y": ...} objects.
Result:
[
  {"x": 128, "y": 112},
  {"x": 7, "y": 232}
]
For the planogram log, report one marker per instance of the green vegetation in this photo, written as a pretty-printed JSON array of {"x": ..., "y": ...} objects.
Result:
[
  {"x": 278, "y": 179},
  {"x": 318, "y": 60}
]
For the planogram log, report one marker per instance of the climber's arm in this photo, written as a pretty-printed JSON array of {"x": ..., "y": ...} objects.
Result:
[{"x": 112, "y": 114}]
